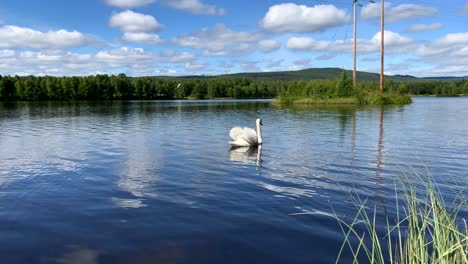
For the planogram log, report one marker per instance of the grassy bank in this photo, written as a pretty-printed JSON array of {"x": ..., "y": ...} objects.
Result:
[
  {"x": 317, "y": 101},
  {"x": 425, "y": 230},
  {"x": 386, "y": 98},
  {"x": 368, "y": 99}
]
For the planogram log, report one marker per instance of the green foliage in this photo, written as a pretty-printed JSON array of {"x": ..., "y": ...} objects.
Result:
[
  {"x": 121, "y": 87},
  {"x": 7, "y": 88},
  {"x": 387, "y": 98},
  {"x": 199, "y": 90},
  {"x": 314, "y": 88},
  {"x": 344, "y": 87}
]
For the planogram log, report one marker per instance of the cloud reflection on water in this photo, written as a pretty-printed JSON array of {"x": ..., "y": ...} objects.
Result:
[
  {"x": 79, "y": 255},
  {"x": 140, "y": 173}
]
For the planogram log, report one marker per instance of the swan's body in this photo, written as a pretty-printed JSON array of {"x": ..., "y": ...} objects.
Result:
[{"x": 246, "y": 137}]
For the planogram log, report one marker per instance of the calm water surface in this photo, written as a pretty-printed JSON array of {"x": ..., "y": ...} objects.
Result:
[{"x": 156, "y": 182}]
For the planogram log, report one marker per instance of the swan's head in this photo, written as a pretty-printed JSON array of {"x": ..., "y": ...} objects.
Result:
[{"x": 259, "y": 122}]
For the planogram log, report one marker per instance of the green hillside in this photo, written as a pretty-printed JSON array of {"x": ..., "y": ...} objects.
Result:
[
  {"x": 314, "y": 74},
  {"x": 306, "y": 74}
]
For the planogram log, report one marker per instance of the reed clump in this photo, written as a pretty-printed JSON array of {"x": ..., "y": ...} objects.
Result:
[
  {"x": 426, "y": 230},
  {"x": 338, "y": 92},
  {"x": 327, "y": 101}
]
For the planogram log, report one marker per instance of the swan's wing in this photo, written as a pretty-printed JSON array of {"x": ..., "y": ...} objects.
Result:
[
  {"x": 244, "y": 136},
  {"x": 250, "y": 135},
  {"x": 236, "y": 132},
  {"x": 239, "y": 143}
]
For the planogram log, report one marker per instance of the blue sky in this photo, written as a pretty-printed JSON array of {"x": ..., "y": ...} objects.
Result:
[{"x": 182, "y": 37}]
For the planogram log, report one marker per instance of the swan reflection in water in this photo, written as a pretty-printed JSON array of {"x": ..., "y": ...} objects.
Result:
[{"x": 246, "y": 154}]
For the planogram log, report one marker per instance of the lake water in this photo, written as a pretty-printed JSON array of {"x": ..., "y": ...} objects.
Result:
[{"x": 156, "y": 182}]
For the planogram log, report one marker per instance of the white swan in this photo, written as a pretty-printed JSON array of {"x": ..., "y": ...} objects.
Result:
[{"x": 245, "y": 137}]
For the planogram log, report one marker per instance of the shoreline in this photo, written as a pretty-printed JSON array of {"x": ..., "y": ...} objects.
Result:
[{"x": 386, "y": 99}]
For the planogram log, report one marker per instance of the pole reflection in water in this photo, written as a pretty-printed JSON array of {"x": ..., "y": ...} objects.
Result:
[
  {"x": 353, "y": 142},
  {"x": 380, "y": 147},
  {"x": 379, "y": 191}
]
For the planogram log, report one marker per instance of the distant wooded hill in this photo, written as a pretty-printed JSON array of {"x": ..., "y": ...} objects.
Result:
[{"x": 316, "y": 73}]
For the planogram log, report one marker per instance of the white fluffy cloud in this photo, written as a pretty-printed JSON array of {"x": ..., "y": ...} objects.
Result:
[
  {"x": 6, "y": 53},
  {"x": 195, "y": 7},
  {"x": 60, "y": 62},
  {"x": 164, "y": 72},
  {"x": 195, "y": 65},
  {"x": 129, "y": 21},
  {"x": 123, "y": 56},
  {"x": 53, "y": 57},
  {"x": 423, "y": 27},
  {"x": 290, "y": 17},
  {"x": 129, "y": 3},
  {"x": 268, "y": 45},
  {"x": 219, "y": 41},
  {"x": 138, "y": 28},
  {"x": 397, "y": 13},
  {"x": 451, "y": 39},
  {"x": 13, "y": 37},
  {"x": 178, "y": 57},
  {"x": 394, "y": 43},
  {"x": 142, "y": 37},
  {"x": 448, "y": 50}
]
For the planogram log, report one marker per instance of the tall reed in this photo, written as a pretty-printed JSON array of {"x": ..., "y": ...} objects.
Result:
[{"x": 426, "y": 230}]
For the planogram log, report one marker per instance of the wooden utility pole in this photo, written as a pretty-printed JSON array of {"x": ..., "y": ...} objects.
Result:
[
  {"x": 354, "y": 46},
  {"x": 382, "y": 48}
]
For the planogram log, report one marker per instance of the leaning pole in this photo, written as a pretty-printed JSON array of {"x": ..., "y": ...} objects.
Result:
[
  {"x": 382, "y": 47},
  {"x": 354, "y": 45}
]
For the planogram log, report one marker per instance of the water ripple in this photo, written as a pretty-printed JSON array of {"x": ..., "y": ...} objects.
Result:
[{"x": 113, "y": 179}]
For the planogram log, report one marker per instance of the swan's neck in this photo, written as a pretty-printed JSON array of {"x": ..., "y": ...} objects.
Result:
[{"x": 259, "y": 133}]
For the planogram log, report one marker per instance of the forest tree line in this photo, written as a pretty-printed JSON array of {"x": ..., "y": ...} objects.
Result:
[{"x": 121, "y": 87}]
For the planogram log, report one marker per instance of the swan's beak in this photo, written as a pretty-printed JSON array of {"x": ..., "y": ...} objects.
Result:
[{"x": 261, "y": 123}]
